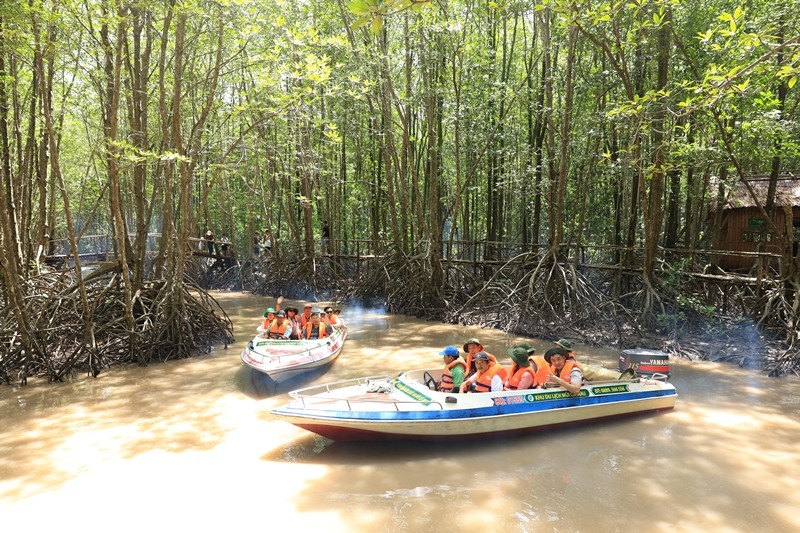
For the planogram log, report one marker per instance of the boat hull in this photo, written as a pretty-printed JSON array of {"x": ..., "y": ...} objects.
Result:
[
  {"x": 283, "y": 360},
  {"x": 353, "y": 413}
]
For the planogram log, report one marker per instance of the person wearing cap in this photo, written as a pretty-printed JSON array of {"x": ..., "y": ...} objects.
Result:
[
  {"x": 279, "y": 328},
  {"x": 563, "y": 371},
  {"x": 489, "y": 376},
  {"x": 540, "y": 367},
  {"x": 454, "y": 370},
  {"x": 305, "y": 318},
  {"x": 473, "y": 346},
  {"x": 520, "y": 375},
  {"x": 316, "y": 329}
]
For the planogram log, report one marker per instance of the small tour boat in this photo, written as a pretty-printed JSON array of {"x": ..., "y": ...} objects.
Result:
[
  {"x": 284, "y": 359},
  {"x": 405, "y": 407}
]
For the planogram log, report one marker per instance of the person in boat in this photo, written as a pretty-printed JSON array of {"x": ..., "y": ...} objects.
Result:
[
  {"x": 316, "y": 328},
  {"x": 520, "y": 375},
  {"x": 566, "y": 344},
  {"x": 269, "y": 313},
  {"x": 540, "y": 367},
  {"x": 563, "y": 371},
  {"x": 293, "y": 317},
  {"x": 489, "y": 375},
  {"x": 471, "y": 347},
  {"x": 269, "y": 316},
  {"x": 305, "y": 318},
  {"x": 454, "y": 370},
  {"x": 279, "y": 328},
  {"x": 332, "y": 317}
]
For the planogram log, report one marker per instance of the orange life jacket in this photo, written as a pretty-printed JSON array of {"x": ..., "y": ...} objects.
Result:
[
  {"x": 541, "y": 372},
  {"x": 304, "y": 320},
  {"x": 323, "y": 331},
  {"x": 276, "y": 330},
  {"x": 447, "y": 384},
  {"x": 516, "y": 376},
  {"x": 471, "y": 368},
  {"x": 567, "y": 370},
  {"x": 484, "y": 381},
  {"x": 333, "y": 319}
]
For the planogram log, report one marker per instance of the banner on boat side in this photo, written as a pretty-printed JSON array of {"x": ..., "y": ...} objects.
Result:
[
  {"x": 610, "y": 389},
  {"x": 415, "y": 394},
  {"x": 529, "y": 398}
]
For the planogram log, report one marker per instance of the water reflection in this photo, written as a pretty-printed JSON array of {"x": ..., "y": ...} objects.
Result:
[
  {"x": 258, "y": 385},
  {"x": 193, "y": 443}
]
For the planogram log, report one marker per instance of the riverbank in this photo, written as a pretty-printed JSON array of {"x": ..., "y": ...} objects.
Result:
[{"x": 558, "y": 303}]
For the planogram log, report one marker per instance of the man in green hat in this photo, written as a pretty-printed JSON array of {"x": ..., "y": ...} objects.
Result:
[
  {"x": 566, "y": 344},
  {"x": 564, "y": 373}
]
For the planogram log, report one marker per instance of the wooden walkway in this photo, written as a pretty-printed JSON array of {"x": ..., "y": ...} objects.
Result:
[{"x": 465, "y": 254}]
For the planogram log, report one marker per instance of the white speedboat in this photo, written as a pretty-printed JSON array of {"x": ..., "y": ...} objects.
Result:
[
  {"x": 405, "y": 407},
  {"x": 283, "y": 359}
]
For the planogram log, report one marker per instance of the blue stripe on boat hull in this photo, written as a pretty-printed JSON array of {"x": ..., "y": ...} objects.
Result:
[{"x": 461, "y": 414}]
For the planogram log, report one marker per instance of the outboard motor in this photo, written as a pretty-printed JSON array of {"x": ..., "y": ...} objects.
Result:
[{"x": 646, "y": 362}]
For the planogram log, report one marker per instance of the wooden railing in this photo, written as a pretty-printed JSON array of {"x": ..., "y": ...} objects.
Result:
[{"x": 477, "y": 252}]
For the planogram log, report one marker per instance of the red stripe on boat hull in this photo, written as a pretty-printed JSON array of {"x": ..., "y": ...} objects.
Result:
[{"x": 338, "y": 433}]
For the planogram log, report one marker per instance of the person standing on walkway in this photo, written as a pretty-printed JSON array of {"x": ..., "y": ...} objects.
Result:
[
  {"x": 326, "y": 237},
  {"x": 267, "y": 244},
  {"x": 210, "y": 241}
]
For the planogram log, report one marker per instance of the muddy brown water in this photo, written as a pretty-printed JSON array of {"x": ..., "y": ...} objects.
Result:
[{"x": 191, "y": 446}]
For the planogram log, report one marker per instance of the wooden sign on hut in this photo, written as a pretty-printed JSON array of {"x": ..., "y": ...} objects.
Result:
[{"x": 744, "y": 228}]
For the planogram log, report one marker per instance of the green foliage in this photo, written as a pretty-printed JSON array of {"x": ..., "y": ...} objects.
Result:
[
  {"x": 356, "y": 114},
  {"x": 374, "y": 12}
]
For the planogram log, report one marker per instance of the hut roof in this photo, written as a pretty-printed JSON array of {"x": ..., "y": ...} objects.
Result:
[{"x": 787, "y": 192}]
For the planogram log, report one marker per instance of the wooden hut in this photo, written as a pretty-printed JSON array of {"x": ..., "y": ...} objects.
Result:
[{"x": 743, "y": 227}]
